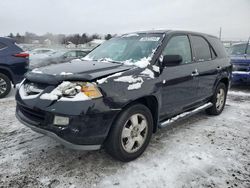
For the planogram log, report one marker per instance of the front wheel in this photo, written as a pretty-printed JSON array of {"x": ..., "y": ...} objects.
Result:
[
  {"x": 130, "y": 134},
  {"x": 218, "y": 100}
]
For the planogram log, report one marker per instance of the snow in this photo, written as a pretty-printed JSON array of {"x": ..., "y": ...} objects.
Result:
[
  {"x": 87, "y": 58},
  {"x": 104, "y": 80},
  {"x": 149, "y": 73},
  {"x": 241, "y": 72},
  {"x": 156, "y": 68},
  {"x": 66, "y": 73},
  {"x": 72, "y": 90},
  {"x": 130, "y": 35},
  {"x": 238, "y": 93},
  {"x": 24, "y": 95},
  {"x": 142, "y": 63},
  {"x": 79, "y": 97},
  {"x": 185, "y": 114},
  {"x": 76, "y": 60},
  {"x": 129, "y": 79},
  {"x": 136, "y": 81},
  {"x": 201, "y": 151},
  {"x": 49, "y": 96},
  {"x": 37, "y": 71},
  {"x": 161, "y": 58},
  {"x": 135, "y": 86}
]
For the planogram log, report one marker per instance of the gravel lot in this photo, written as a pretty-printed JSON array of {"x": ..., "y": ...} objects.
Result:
[{"x": 202, "y": 151}]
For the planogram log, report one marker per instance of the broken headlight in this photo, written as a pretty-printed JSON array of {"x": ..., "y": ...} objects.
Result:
[
  {"x": 71, "y": 89},
  {"x": 77, "y": 91}
]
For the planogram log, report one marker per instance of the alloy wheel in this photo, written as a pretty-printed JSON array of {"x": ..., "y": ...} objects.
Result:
[
  {"x": 134, "y": 133},
  {"x": 220, "y": 99},
  {"x": 3, "y": 86}
]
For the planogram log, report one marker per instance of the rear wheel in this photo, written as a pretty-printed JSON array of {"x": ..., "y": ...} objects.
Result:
[
  {"x": 5, "y": 85},
  {"x": 218, "y": 100},
  {"x": 130, "y": 133}
]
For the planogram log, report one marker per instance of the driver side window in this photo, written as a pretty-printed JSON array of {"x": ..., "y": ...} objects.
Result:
[{"x": 179, "y": 45}]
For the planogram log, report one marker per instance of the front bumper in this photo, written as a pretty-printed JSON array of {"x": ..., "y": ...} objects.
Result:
[
  {"x": 67, "y": 144},
  {"x": 87, "y": 130},
  {"x": 240, "y": 77}
]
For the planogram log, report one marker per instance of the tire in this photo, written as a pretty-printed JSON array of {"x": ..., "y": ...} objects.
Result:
[
  {"x": 130, "y": 133},
  {"x": 5, "y": 85},
  {"x": 218, "y": 100}
]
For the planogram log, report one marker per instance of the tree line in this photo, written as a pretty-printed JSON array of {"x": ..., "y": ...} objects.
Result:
[{"x": 57, "y": 38}]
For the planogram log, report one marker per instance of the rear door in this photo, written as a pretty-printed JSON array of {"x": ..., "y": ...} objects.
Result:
[
  {"x": 207, "y": 65},
  {"x": 179, "y": 88}
]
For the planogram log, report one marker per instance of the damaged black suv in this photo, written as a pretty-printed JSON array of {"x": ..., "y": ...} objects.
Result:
[{"x": 125, "y": 89}]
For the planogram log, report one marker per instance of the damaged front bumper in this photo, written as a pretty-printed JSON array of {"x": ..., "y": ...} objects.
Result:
[{"x": 89, "y": 121}]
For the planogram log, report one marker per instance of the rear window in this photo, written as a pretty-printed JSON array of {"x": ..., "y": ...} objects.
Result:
[
  {"x": 2, "y": 46},
  {"x": 202, "y": 49}
]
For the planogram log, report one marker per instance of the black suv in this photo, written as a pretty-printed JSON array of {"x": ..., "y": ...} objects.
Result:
[
  {"x": 14, "y": 64},
  {"x": 126, "y": 89}
]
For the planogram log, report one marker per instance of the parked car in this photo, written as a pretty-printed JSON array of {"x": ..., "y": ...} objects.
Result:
[
  {"x": 13, "y": 65},
  {"x": 42, "y": 51},
  {"x": 59, "y": 57},
  {"x": 240, "y": 59},
  {"x": 125, "y": 90}
]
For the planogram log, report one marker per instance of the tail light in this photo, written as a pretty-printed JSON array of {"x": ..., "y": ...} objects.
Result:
[{"x": 22, "y": 54}]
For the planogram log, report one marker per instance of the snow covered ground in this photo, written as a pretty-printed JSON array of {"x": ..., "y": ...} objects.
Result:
[{"x": 202, "y": 151}]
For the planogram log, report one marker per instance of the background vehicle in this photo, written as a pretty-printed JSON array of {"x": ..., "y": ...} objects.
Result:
[
  {"x": 13, "y": 65},
  {"x": 125, "y": 89},
  {"x": 240, "y": 59},
  {"x": 41, "y": 51},
  {"x": 58, "y": 57}
]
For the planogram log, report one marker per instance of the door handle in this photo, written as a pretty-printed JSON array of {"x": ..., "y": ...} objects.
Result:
[
  {"x": 219, "y": 68},
  {"x": 195, "y": 73}
]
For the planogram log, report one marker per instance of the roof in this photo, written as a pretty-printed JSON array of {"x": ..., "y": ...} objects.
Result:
[
  {"x": 162, "y": 31},
  {"x": 6, "y": 39}
]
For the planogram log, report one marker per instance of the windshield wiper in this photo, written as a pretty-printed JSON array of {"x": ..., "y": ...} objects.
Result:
[{"x": 108, "y": 60}]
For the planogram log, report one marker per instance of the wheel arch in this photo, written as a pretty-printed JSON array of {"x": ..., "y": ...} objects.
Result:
[
  {"x": 7, "y": 72},
  {"x": 151, "y": 102}
]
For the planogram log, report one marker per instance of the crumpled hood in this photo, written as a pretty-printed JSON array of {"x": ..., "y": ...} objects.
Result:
[{"x": 75, "y": 70}]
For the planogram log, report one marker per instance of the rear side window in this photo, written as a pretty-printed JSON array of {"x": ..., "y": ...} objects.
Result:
[
  {"x": 203, "y": 51},
  {"x": 179, "y": 45},
  {"x": 2, "y": 46}
]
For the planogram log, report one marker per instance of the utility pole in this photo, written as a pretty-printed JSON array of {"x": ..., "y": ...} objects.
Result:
[{"x": 220, "y": 33}]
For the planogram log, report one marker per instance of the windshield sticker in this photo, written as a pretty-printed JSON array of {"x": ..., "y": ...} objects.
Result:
[{"x": 150, "y": 39}]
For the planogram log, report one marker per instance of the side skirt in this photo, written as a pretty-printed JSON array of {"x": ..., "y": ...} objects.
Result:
[{"x": 184, "y": 115}]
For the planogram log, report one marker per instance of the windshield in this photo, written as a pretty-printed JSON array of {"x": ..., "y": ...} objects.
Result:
[
  {"x": 238, "y": 49},
  {"x": 130, "y": 47}
]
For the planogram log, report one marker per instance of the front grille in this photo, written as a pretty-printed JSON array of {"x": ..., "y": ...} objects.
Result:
[{"x": 35, "y": 115}]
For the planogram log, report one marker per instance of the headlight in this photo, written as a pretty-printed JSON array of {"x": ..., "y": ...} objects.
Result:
[{"x": 73, "y": 90}]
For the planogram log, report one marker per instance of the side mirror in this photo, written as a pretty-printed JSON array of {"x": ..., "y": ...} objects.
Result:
[{"x": 171, "y": 60}]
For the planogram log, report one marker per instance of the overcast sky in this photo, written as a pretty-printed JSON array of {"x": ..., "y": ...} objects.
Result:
[{"x": 120, "y": 16}]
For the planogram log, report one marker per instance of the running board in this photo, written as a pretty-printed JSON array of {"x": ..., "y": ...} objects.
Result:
[{"x": 184, "y": 115}]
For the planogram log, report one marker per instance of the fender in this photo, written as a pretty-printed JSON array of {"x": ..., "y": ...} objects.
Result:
[
  {"x": 8, "y": 70},
  {"x": 223, "y": 75}
]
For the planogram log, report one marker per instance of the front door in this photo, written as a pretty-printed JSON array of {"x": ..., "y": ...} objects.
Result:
[{"x": 179, "y": 83}]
